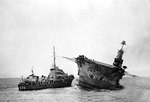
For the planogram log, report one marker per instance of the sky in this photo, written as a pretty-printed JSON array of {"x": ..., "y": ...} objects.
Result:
[{"x": 95, "y": 28}]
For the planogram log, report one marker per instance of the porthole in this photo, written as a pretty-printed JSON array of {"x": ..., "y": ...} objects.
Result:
[{"x": 91, "y": 76}]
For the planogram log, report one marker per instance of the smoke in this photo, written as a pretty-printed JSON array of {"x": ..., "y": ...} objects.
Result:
[
  {"x": 92, "y": 28},
  {"x": 70, "y": 59}
]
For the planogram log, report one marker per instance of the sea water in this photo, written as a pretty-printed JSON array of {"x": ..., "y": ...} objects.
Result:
[{"x": 136, "y": 89}]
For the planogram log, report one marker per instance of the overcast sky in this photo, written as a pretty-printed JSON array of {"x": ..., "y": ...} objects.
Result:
[{"x": 30, "y": 28}]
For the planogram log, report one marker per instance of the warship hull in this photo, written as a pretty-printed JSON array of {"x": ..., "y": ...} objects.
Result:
[
  {"x": 38, "y": 86},
  {"x": 56, "y": 78},
  {"x": 95, "y": 74},
  {"x": 85, "y": 81}
]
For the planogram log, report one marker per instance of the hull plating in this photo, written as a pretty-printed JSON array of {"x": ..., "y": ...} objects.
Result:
[
  {"x": 98, "y": 75},
  {"x": 38, "y": 86}
]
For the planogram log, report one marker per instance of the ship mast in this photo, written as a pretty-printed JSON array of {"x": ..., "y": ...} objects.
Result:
[
  {"x": 32, "y": 71},
  {"x": 54, "y": 64},
  {"x": 118, "y": 60},
  {"x": 123, "y": 43},
  {"x": 22, "y": 78}
]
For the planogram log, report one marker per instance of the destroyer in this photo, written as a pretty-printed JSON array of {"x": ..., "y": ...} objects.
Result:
[{"x": 57, "y": 78}]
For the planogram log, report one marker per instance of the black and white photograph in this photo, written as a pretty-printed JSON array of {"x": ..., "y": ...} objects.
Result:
[{"x": 74, "y": 50}]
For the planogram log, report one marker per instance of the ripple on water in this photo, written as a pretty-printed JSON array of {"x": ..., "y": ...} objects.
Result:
[{"x": 134, "y": 91}]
